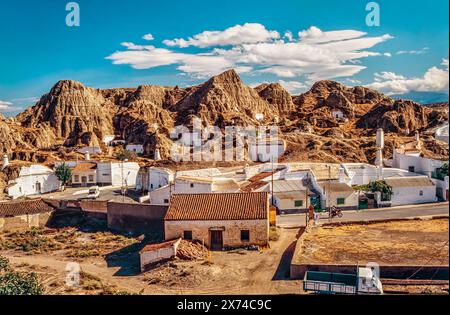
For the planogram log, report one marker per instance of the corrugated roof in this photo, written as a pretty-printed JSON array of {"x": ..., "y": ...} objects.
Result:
[
  {"x": 409, "y": 181},
  {"x": 287, "y": 185},
  {"x": 292, "y": 195},
  {"x": 336, "y": 187},
  {"x": 16, "y": 208},
  {"x": 225, "y": 206},
  {"x": 85, "y": 167}
]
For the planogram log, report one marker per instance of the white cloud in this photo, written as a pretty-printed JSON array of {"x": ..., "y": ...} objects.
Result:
[
  {"x": 315, "y": 55},
  {"x": 148, "y": 36},
  {"x": 413, "y": 52},
  {"x": 315, "y": 35},
  {"x": 236, "y": 35},
  {"x": 293, "y": 87},
  {"x": 434, "y": 80},
  {"x": 5, "y": 106}
]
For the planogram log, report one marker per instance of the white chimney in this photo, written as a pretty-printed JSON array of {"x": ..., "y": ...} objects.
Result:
[
  {"x": 5, "y": 161},
  {"x": 157, "y": 155},
  {"x": 87, "y": 156},
  {"x": 417, "y": 138},
  {"x": 380, "y": 138},
  {"x": 341, "y": 175}
]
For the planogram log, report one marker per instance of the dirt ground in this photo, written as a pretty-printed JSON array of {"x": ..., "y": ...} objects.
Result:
[
  {"x": 110, "y": 265},
  {"x": 409, "y": 242}
]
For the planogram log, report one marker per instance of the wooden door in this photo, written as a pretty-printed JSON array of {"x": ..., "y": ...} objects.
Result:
[{"x": 216, "y": 240}]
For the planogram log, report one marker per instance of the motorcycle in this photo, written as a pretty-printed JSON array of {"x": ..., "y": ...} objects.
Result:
[{"x": 336, "y": 212}]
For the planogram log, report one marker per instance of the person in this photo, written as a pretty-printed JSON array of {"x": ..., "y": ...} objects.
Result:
[{"x": 311, "y": 211}]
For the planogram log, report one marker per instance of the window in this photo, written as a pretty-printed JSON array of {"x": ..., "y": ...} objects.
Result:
[
  {"x": 91, "y": 178},
  {"x": 411, "y": 169},
  {"x": 166, "y": 200},
  {"x": 340, "y": 201},
  {"x": 245, "y": 235},
  {"x": 192, "y": 185},
  {"x": 298, "y": 203},
  {"x": 187, "y": 235},
  {"x": 77, "y": 178},
  {"x": 151, "y": 186},
  {"x": 421, "y": 193}
]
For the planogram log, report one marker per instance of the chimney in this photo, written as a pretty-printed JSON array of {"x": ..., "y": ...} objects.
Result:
[
  {"x": 5, "y": 161},
  {"x": 341, "y": 175},
  {"x": 157, "y": 155},
  {"x": 87, "y": 156},
  {"x": 417, "y": 138},
  {"x": 380, "y": 146}
]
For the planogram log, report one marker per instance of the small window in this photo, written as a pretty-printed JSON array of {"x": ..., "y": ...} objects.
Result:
[
  {"x": 166, "y": 200},
  {"x": 77, "y": 178},
  {"x": 192, "y": 185},
  {"x": 91, "y": 178},
  {"x": 298, "y": 203},
  {"x": 411, "y": 169},
  {"x": 421, "y": 193},
  {"x": 340, "y": 201},
  {"x": 187, "y": 235},
  {"x": 151, "y": 186},
  {"x": 245, "y": 235}
]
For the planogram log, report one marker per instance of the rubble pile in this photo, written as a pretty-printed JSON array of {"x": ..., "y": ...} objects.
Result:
[{"x": 191, "y": 250}]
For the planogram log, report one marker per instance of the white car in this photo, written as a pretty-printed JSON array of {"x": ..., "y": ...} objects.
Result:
[{"x": 94, "y": 192}]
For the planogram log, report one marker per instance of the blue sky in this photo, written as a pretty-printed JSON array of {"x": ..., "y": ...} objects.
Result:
[{"x": 407, "y": 52}]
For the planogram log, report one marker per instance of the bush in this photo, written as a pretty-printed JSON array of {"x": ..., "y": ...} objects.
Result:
[{"x": 18, "y": 283}]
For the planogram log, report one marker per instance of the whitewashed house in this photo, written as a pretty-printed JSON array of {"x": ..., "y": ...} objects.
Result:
[
  {"x": 33, "y": 180},
  {"x": 107, "y": 140},
  {"x": 337, "y": 114},
  {"x": 114, "y": 173},
  {"x": 442, "y": 133},
  {"x": 136, "y": 148},
  {"x": 90, "y": 150},
  {"x": 192, "y": 185},
  {"x": 151, "y": 178},
  {"x": 411, "y": 190}
]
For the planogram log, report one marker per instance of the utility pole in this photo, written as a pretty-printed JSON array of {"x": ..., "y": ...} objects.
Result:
[
  {"x": 329, "y": 191},
  {"x": 272, "y": 183}
]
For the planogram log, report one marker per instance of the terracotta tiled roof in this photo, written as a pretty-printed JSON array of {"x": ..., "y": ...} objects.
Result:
[
  {"x": 226, "y": 206},
  {"x": 85, "y": 167},
  {"x": 152, "y": 247},
  {"x": 15, "y": 208}
]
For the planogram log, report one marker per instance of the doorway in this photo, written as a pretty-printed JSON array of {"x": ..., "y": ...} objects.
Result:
[
  {"x": 83, "y": 181},
  {"x": 216, "y": 239},
  {"x": 38, "y": 188}
]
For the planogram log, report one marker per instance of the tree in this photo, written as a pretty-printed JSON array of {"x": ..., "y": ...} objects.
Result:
[
  {"x": 18, "y": 283},
  {"x": 125, "y": 155},
  {"x": 378, "y": 186},
  {"x": 64, "y": 174}
]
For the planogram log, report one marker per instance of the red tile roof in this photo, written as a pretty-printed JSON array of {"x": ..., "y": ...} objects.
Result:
[
  {"x": 16, "y": 208},
  {"x": 152, "y": 247},
  {"x": 85, "y": 167},
  {"x": 225, "y": 206}
]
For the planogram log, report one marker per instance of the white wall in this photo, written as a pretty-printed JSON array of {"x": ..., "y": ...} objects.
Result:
[
  {"x": 136, "y": 148},
  {"x": 184, "y": 187},
  {"x": 26, "y": 183},
  {"x": 411, "y": 195},
  {"x": 110, "y": 173}
]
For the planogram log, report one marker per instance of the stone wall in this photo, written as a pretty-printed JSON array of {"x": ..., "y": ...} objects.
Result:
[
  {"x": 136, "y": 218},
  {"x": 24, "y": 222},
  {"x": 259, "y": 231}
]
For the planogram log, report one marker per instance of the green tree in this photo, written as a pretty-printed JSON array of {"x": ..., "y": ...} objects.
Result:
[
  {"x": 18, "y": 283},
  {"x": 378, "y": 186},
  {"x": 125, "y": 155},
  {"x": 64, "y": 174}
]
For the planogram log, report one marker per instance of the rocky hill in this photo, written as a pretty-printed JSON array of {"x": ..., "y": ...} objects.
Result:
[{"x": 73, "y": 115}]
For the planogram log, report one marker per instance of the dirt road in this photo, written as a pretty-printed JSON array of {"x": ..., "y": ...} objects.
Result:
[{"x": 235, "y": 272}]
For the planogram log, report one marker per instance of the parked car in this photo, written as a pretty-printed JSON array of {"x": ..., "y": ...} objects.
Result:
[{"x": 94, "y": 192}]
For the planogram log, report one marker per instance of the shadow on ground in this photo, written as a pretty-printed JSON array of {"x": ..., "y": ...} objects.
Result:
[{"x": 283, "y": 269}]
